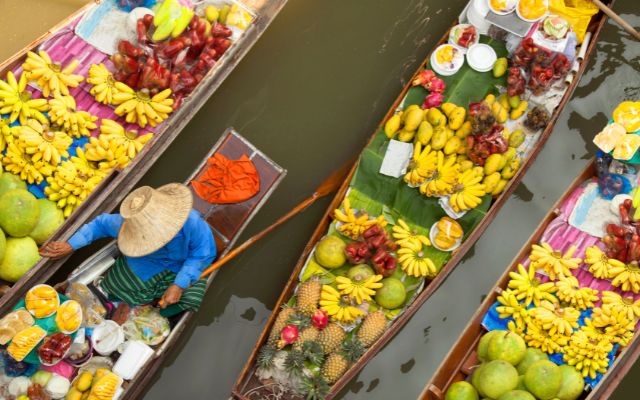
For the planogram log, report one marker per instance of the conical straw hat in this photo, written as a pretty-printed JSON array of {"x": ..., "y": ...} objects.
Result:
[{"x": 152, "y": 217}]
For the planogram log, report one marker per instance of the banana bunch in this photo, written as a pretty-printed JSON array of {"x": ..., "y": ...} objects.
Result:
[
  {"x": 554, "y": 263},
  {"x": 115, "y": 146},
  {"x": 104, "y": 85},
  {"x": 527, "y": 287},
  {"x": 414, "y": 262},
  {"x": 599, "y": 263},
  {"x": 92, "y": 168},
  {"x": 539, "y": 338},
  {"x": 18, "y": 162},
  {"x": 511, "y": 308},
  {"x": 403, "y": 235},
  {"x": 338, "y": 307},
  {"x": 51, "y": 77},
  {"x": 616, "y": 323},
  {"x": 15, "y": 100},
  {"x": 555, "y": 318},
  {"x": 588, "y": 354},
  {"x": 613, "y": 300},
  {"x": 570, "y": 292},
  {"x": 64, "y": 114},
  {"x": 359, "y": 290},
  {"x": 70, "y": 185},
  {"x": 443, "y": 179},
  {"x": 140, "y": 108},
  {"x": 468, "y": 191},
  {"x": 6, "y": 133},
  {"x": 353, "y": 226},
  {"x": 43, "y": 143},
  {"x": 626, "y": 277},
  {"x": 422, "y": 166}
]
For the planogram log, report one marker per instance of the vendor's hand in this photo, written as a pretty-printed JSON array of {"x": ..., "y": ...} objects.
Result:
[
  {"x": 56, "y": 250},
  {"x": 171, "y": 296}
]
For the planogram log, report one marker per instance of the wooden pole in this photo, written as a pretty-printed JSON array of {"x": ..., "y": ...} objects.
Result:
[{"x": 624, "y": 24}]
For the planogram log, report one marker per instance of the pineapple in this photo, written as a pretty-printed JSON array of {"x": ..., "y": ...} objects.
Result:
[
  {"x": 334, "y": 367},
  {"x": 294, "y": 363},
  {"x": 309, "y": 334},
  {"x": 331, "y": 337},
  {"x": 281, "y": 322},
  {"x": 314, "y": 388},
  {"x": 309, "y": 296},
  {"x": 371, "y": 328}
]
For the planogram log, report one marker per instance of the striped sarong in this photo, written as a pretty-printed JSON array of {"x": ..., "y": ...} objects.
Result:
[{"x": 123, "y": 284}]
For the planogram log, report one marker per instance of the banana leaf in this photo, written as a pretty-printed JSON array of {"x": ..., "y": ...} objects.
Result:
[{"x": 467, "y": 85}]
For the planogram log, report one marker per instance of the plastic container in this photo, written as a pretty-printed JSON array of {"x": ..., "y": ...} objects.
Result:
[
  {"x": 133, "y": 357},
  {"x": 106, "y": 337},
  {"x": 432, "y": 236},
  {"x": 546, "y": 4},
  {"x": 67, "y": 310},
  {"x": 451, "y": 68},
  {"x": 481, "y": 57},
  {"x": 51, "y": 302},
  {"x": 457, "y": 30},
  {"x": 476, "y": 13},
  {"x": 510, "y": 6}
]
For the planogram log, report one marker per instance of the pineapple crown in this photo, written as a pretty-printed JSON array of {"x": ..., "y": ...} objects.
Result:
[
  {"x": 266, "y": 356},
  {"x": 300, "y": 320},
  {"x": 294, "y": 363},
  {"x": 314, "y": 387},
  {"x": 312, "y": 351},
  {"x": 352, "y": 349}
]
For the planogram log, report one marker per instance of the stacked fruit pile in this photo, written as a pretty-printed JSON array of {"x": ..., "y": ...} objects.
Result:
[
  {"x": 511, "y": 371},
  {"x": 458, "y": 157},
  {"x": 341, "y": 307}
]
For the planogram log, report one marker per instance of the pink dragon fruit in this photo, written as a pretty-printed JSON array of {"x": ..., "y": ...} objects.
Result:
[
  {"x": 436, "y": 85},
  {"x": 424, "y": 78},
  {"x": 319, "y": 319},
  {"x": 288, "y": 335},
  {"x": 433, "y": 100}
]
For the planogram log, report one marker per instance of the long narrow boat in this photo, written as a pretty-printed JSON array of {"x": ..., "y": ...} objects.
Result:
[
  {"x": 248, "y": 385},
  {"x": 119, "y": 182},
  {"x": 227, "y": 222},
  {"x": 556, "y": 227}
]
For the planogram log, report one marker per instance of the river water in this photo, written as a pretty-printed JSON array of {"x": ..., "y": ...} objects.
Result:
[{"x": 309, "y": 94}]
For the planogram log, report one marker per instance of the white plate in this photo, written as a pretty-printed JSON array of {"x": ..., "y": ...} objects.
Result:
[
  {"x": 458, "y": 61},
  {"x": 432, "y": 236},
  {"x": 511, "y": 5},
  {"x": 546, "y": 3},
  {"x": 481, "y": 57}
]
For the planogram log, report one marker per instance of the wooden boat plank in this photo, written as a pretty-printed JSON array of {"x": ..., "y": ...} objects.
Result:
[
  {"x": 248, "y": 370},
  {"x": 111, "y": 191}
]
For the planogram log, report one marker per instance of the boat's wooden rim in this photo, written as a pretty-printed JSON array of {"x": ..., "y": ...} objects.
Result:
[
  {"x": 104, "y": 198},
  {"x": 461, "y": 358},
  {"x": 245, "y": 374}
]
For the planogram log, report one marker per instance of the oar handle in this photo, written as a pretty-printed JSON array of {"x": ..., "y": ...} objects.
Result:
[{"x": 617, "y": 18}]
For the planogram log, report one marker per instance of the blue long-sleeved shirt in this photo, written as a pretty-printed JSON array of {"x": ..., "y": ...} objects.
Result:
[{"x": 187, "y": 254}]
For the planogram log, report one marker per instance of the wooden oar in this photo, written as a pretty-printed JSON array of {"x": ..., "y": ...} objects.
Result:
[
  {"x": 328, "y": 186},
  {"x": 617, "y": 18}
]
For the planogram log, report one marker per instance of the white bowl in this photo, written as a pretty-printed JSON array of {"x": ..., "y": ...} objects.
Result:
[
  {"x": 546, "y": 3},
  {"x": 458, "y": 61},
  {"x": 511, "y": 6},
  {"x": 481, "y": 57},
  {"x": 432, "y": 236}
]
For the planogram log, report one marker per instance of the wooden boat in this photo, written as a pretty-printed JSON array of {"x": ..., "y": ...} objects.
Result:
[
  {"x": 227, "y": 222},
  {"x": 118, "y": 183},
  {"x": 248, "y": 386},
  {"x": 462, "y": 358}
]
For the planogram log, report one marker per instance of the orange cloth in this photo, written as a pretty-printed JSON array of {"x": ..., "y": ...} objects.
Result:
[{"x": 227, "y": 181}]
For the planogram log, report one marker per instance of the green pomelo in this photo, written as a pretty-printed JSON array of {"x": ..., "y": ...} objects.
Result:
[
  {"x": 483, "y": 344},
  {"x": 330, "y": 252},
  {"x": 572, "y": 383},
  {"x": 521, "y": 385},
  {"x": 360, "y": 272},
  {"x": 10, "y": 182},
  {"x": 461, "y": 391},
  {"x": 543, "y": 379},
  {"x": 392, "y": 294},
  {"x": 517, "y": 395},
  {"x": 508, "y": 346},
  {"x": 51, "y": 218},
  {"x": 475, "y": 379},
  {"x": 496, "y": 378},
  {"x": 531, "y": 356},
  {"x": 19, "y": 212},
  {"x": 3, "y": 245},
  {"x": 20, "y": 255}
]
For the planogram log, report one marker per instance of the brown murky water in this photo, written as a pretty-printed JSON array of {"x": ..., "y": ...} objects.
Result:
[{"x": 309, "y": 94}]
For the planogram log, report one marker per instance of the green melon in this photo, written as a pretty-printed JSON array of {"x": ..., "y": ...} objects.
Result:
[
  {"x": 531, "y": 356},
  {"x": 517, "y": 395},
  {"x": 9, "y": 182},
  {"x": 496, "y": 378},
  {"x": 392, "y": 294},
  {"x": 461, "y": 390},
  {"x": 507, "y": 346},
  {"x": 483, "y": 344},
  {"x": 20, "y": 255},
  {"x": 3, "y": 245},
  {"x": 543, "y": 379},
  {"x": 19, "y": 212},
  {"x": 572, "y": 383},
  {"x": 330, "y": 252},
  {"x": 50, "y": 219},
  {"x": 360, "y": 272}
]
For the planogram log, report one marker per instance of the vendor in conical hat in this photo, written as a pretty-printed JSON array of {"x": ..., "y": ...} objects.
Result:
[{"x": 165, "y": 246}]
